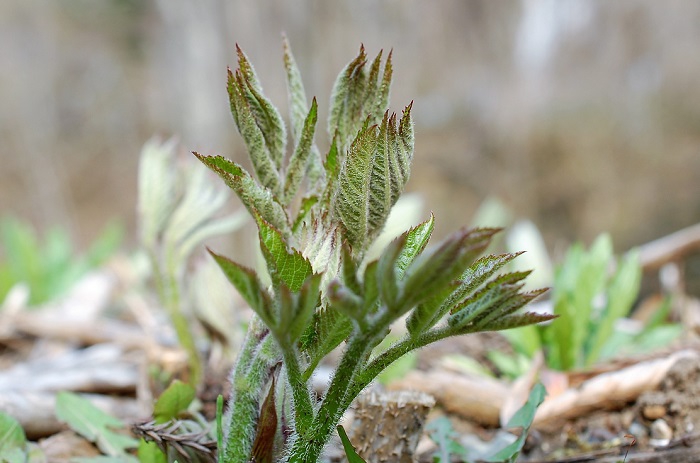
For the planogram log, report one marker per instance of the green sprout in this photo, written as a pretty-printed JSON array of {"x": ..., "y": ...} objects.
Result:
[{"x": 317, "y": 216}]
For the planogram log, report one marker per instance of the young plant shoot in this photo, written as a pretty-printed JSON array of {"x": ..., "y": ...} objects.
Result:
[{"x": 317, "y": 217}]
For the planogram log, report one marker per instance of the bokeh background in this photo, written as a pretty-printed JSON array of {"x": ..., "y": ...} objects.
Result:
[{"x": 583, "y": 116}]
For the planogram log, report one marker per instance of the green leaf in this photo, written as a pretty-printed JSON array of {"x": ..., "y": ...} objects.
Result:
[
  {"x": 430, "y": 311},
  {"x": 332, "y": 169},
  {"x": 621, "y": 294},
  {"x": 522, "y": 419},
  {"x": 475, "y": 276},
  {"x": 300, "y": 158},
  {"x": 350, "y": 452},
  {"x": 371, "y": 178},
  {"x": 288, "y": 267},
  {"x": 386, "y": 272},
  {"x": 302, "y": 218},
  {"x": 328, "y": 328},
  {"x": 297, "y": 114},
  {"x": 416, "y": 240},
  {"x": 295, "y": 92},
  {"x": 149, "y": 452},
  {"x": 264, "y": 112},
  {"x": 264, "y": 162},
  {"x": 391, "y": 167},
  {"x": 351, "y": 201},
  {"x": 519, "y": 320},
  {"x": 93, "y": 424},
  {"x": 349, "y": 270},
  {"x": 252, "y": 195},
  {"x": 12, "y": 438},
  {"x": 507, "y": 307},
  {"x": 173, "y": 401},
  {"x": 474, "y": 311},
  {"x": 340, "y": 119},
  {"x": 308, "y": 300},
  {"x": 381, "y": 98},
  {"x": 434, "y": 269},
  {"x": 246, "y": 281}
]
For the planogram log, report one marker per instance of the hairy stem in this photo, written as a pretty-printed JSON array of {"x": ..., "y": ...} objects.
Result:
[
  {"x": 303, "y": 410},
  {"x": 248, "y": 382}
]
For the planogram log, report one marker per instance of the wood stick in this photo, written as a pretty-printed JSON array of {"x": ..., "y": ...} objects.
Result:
[{"x": 670, "y": 247}]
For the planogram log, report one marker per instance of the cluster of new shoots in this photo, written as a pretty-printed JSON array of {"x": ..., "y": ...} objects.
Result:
[{"x": 314, "y": 240}]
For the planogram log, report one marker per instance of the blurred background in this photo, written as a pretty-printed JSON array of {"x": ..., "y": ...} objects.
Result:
[{"x": 583, "y": 116}]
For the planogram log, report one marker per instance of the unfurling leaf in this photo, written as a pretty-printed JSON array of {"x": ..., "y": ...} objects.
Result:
[
  {"x": 433, "y": 269},
  {"x": 266, "y": 116},
  {"x": 252, "y": 195},
  {"x": 357, "y": 97},
  {"x": 263, "y": 162},
  {"x": 371, "y": 178},
  {"x": 299, "y": 161},
  {"x": 478, "y": 306},
  {"x": 416, "y": 240}
]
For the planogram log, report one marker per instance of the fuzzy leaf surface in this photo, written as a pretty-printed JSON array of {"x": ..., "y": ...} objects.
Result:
[
  {"x": 372, "y": 176},
  {"x": 391, "y": 167},
  {"x": 475, "y": 276},
  {"x": 434, "y": 269},
  {"x": 266, "y": 115},
  {"x": 326, "y": 331},
  {"x": 288, "y": 267},
  {"x": 263, "y": 162},
  {"x": 341, "y": 121},
  {"x": 308, "y": 300},
  {"x": 300, "y": 158},
  {"x": 518, "y": 320},
  {"x": 476, "y": 308},
  {"x": 416, "y": 240},
  {"x": 252, "y": 195}
]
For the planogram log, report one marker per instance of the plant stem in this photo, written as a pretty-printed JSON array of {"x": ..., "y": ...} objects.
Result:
[
  {"x": 247, "y": 383},
  {"x": 308, "y": 447},
  {"x": 393, "y": 353},
  {"x": 303, "y": 411}
]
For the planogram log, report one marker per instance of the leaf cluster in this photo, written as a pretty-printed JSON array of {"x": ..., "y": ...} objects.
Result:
[
  {"x": 592, "y": 290},
  {"x": 324, "y": 292}
]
